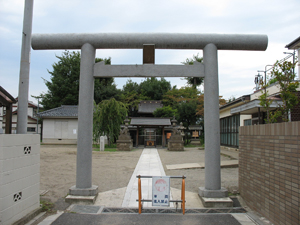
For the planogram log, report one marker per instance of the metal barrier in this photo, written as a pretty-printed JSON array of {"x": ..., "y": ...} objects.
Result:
[{"x": 140, "y": 200}]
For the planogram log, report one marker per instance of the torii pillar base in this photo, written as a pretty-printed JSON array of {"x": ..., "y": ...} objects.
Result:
[
  {"x": 222, "y": 193},
  {"x": 82, "y": 195}
]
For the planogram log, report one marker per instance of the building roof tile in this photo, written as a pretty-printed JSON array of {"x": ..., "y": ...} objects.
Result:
[
  {"x": 150, "y": 121},
  {"x": 62, "y": 111},
  {"x": 149, "y": 106}
]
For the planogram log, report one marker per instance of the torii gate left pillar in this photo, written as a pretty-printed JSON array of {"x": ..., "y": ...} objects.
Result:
[
  {"x": 84, "y": 185},
  {"x": 210, "y": 43}
]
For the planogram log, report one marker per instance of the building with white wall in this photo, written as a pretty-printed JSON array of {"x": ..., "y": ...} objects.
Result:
[
  {"x": 295, "y": 45},
  {"x": 246, "y": 110},
  {"x": 32, "y": 126},
  {"x": 60, "y": 125}
]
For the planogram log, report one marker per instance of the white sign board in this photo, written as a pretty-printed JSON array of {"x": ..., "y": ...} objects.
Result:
[{"x": 160, "y": 191}]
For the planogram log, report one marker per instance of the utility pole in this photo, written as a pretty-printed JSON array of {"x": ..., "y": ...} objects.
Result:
[{"x": 24, "y": 68}]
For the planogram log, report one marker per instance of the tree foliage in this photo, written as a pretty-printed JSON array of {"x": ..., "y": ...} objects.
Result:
[
  {"x": 154, "y": 89},
  {"x": 131, "y": 86},
  {"x": 63, "y": 87},
  {"x": 105, "y": 88},
  {"x": 175, "y": 96},
  {"x": 108, "y": 116},
  {"x": 132, "y": 96},
  {"x": 283, "y": 73},
  {"x": 188, "y": 103},
  {"x": 193, "y": 81},
  {"x": 165, "y": 111}
]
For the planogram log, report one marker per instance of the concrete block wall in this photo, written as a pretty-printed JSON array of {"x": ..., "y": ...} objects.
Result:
[
  {"x": 19, "y": 176},
  {"x": 269, "y": 170}
]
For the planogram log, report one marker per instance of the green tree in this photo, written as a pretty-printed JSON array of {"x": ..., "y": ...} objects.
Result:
[
  {"x": 108, "y": 117},
  {"x": 131, "y": 86},
  {"x": 175, "y": 96},
  {"x": 131, "y": 97},
  {"x": 193, "y": 81},
  {"x": 105, "y": 88},
  {"x": 63, "y": 87},
  {"x": 188, "y": 102},
  {"x": 154, "y": 89},
  {"x": 266, "y": 102},
  {"x": 283, "y": 72},
  {"x": 165, "y": 111},
  {"x": 187, "y": 113}
]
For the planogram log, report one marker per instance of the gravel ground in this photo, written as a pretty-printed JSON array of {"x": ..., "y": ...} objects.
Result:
[{"x": 112, "y": 170}]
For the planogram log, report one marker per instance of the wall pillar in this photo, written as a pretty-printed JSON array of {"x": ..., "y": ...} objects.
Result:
[
  {"x": 84, "y": 185},
  {"x": 212, "y": 187}
]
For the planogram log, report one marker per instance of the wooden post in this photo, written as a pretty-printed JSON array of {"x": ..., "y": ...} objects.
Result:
[
  {"x": 183, "y": 196},
  {"x": 8, "y": 121},
  {"x": 140, "y": 195},
  {"x": 163, "y": 137},
  {"x": 137, "y": 136},
  {"x": 148, "y": 54}
]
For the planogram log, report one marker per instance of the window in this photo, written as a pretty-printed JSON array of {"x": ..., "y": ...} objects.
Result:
[
  {"x": 229, "y": 130},
  {"x": 30, "y": 129},
  {"x": 247, "y": 122}
]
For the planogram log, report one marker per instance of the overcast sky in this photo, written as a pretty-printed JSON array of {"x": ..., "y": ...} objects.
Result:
[{"x": 278, "y": 19}]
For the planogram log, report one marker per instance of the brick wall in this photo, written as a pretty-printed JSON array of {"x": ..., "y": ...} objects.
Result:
[{"x": 269, "y": 170}]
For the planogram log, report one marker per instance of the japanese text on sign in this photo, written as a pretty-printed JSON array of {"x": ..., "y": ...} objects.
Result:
[{"x": 160, "y": 191}]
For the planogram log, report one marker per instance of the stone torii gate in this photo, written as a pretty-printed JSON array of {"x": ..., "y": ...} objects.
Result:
[{"x": 210, "y": 43}]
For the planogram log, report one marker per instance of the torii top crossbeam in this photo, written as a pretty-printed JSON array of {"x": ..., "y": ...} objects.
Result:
[{"x": 161, "y": 40}]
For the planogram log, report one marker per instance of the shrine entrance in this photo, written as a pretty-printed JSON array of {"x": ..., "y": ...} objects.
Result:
[
  {"x": 149, "y": 131},
  {"x": 89, "y": 70}
]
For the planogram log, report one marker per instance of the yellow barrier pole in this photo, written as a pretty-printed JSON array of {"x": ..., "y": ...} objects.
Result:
[
  {"x": 183, "y": 196},
  {"x": 140, "y": 195}
]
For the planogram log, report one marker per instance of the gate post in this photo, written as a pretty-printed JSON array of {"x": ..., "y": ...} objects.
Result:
[
  {"x": 84, "y": 185},
  {"x": 212, "y": 187}
]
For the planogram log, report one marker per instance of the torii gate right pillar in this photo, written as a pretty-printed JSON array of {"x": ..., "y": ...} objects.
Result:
[{"x": 212, "y": 187}]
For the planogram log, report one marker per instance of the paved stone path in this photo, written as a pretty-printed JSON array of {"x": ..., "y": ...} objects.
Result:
[{"x": 149, "y": 164}]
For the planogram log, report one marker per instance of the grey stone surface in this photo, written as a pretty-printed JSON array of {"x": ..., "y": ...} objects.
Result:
[
  {"x": 124, "y": 142},
  {"x": 211, "y": 119},
  {"x": 102, "y": 143},
  {"x": 217, "y": 202},
  {"x": 175, "y": 142},
  {"x": 218, "y": 193},
  {"x": 24, "y": 69},
  {"x": 161, "y": 40},
  {"x": 148, "y": 70},
  {"x": 82, "y": 192},
  {"x": 85, "y": 119}
]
